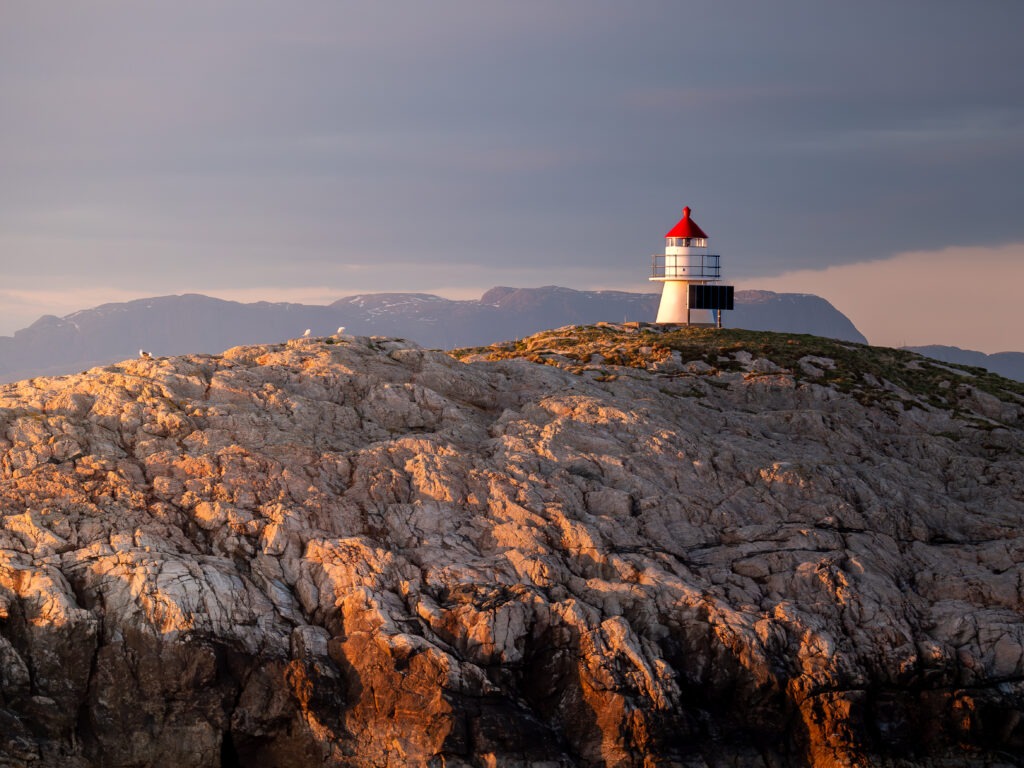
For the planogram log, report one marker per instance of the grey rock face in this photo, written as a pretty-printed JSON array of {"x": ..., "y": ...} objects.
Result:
[{"x": 352, "y": 551}]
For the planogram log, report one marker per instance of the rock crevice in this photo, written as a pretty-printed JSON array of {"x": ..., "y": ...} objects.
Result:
[{"x": 598, "y": 546}]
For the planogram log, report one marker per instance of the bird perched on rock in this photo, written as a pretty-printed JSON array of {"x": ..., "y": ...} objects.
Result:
[
  {"x": 341, "y": 330},
  {"x": 308, "y": 331},
  {"x": 145, "y": 354}
]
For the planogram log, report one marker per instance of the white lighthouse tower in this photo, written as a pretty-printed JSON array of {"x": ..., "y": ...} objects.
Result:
[{"x": 686, "y": 263}]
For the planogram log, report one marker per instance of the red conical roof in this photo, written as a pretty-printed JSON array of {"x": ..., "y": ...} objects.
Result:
[{"x": 686, "y": 227}]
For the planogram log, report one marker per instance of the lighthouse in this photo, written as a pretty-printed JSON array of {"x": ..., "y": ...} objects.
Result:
[{"x": 688, "y": 274}]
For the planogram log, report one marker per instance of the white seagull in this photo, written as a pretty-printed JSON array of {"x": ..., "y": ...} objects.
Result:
[
  {"x": 308, "y": 331},
  {"x": 341, "y": 330}
]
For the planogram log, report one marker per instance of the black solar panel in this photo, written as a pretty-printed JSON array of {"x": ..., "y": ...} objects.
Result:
[{"x": 711, "y": 296}]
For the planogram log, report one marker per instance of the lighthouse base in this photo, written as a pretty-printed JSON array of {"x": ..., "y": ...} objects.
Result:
[{"x": 674, "y": 306}]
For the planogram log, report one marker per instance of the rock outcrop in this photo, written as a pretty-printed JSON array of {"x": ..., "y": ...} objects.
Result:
[{"x": 600, "y": 546}]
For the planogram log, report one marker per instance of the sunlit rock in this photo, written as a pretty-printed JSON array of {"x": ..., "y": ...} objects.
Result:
[{"x": 596, "y": 546}]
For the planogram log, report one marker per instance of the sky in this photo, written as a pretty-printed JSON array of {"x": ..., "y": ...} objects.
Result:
[{"x": 869, "y": 152}]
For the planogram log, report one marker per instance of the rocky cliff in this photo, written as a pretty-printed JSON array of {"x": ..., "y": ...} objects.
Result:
[{"x": 600, "y": 546}]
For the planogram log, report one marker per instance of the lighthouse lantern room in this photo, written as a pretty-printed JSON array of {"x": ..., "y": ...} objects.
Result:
[{"x": 688, "y": 274}]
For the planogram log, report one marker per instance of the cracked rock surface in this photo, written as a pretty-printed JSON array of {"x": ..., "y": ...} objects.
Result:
[{"x": 355, "y": 552}]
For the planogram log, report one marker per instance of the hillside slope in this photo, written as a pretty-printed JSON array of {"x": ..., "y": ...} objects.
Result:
[{"x": 596, "y": 546}]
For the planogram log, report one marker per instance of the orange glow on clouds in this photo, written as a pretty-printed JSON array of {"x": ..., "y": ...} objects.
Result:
[{"x": 967, "y": 297}]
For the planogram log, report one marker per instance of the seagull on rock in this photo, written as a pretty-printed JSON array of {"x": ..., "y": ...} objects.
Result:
[
  {"x": 306, "y": 334},
  {"x": 145, "y": 354},
  {"x": 341, "y": 330}
]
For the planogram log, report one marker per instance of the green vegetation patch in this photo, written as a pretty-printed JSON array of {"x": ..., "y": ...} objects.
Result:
[{"x": 874, "y": 375}]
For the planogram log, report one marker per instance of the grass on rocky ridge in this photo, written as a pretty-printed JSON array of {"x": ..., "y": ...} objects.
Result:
[{"x": 867, "y": 372}]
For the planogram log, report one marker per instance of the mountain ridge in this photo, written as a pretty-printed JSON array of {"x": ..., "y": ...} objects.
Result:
[
  {"x": 1008, "y": 364},
  {"x": 189, "y": 323}
]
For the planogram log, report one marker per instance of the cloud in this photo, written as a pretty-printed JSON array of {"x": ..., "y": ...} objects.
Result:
[
  {"x": 967, "y": 297},
  {"x": 202, "y": 146}
]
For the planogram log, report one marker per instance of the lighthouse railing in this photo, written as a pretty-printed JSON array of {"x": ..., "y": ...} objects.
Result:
[{"x": 690, "y": 266}]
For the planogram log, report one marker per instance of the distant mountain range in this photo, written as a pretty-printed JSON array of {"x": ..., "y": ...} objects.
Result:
[
  {"x": 1008, "y": 364},
  {"x": 172, "y": 325}
]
